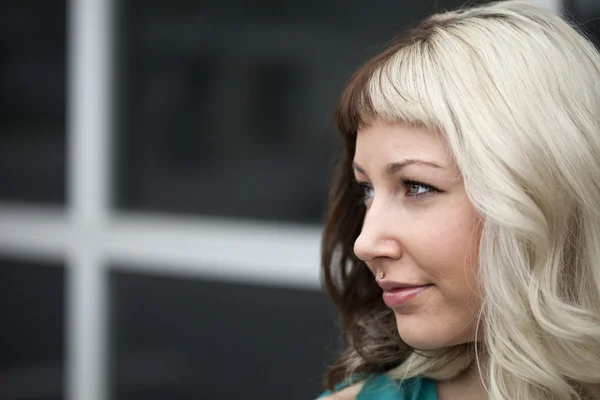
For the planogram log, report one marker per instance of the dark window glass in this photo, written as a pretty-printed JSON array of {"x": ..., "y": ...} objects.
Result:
[
  {"x": 32, "y": 100},
  {"x": 226, "y": 107},
  {"x": 181, "y": 339},
  {"x": 32, "y": 365}
]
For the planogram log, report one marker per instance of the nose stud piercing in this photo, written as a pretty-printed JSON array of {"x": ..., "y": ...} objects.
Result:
[{"x": 381, "y": 274}]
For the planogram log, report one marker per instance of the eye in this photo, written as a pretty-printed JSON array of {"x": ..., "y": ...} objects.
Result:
[
  {"x": 417, "y": 189},
  {"x": 366, "y": 190}
]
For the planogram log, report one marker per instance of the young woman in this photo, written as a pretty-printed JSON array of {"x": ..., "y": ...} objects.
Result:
[{"x": 462, "y": 246}]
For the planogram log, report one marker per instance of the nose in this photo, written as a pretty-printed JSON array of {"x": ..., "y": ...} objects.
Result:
[{"x": 378, "y": 238}]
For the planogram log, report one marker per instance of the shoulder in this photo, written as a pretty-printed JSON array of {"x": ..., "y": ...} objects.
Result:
[{"x": 348, "y": 393}]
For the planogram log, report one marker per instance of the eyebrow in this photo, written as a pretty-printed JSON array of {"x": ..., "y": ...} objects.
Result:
[{"x": 392, "y": 168}]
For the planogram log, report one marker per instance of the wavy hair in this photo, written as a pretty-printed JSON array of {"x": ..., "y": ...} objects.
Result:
[{"x": 515, "y": 92}]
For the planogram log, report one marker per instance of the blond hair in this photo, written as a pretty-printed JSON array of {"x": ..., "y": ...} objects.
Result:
[{"x": 514, "y": 90}]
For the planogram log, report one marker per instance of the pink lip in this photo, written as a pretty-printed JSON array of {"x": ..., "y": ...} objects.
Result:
[{"x": 395, "y": 296}]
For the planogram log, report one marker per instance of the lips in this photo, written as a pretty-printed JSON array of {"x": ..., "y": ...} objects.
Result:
[
  {"x": 396, "y": 294},
  {"x": 391, "y": 286}
]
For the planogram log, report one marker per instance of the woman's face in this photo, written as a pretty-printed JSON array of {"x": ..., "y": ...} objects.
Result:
[{"x": 420, "y": 235}]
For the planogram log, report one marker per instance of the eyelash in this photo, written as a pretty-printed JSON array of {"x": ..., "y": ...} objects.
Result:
[{"x": 406, "y": 183}]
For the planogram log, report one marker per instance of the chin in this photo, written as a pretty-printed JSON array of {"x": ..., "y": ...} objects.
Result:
[
  {"x": 426, "y": 336},
  {"x": 421, "y": 339}
]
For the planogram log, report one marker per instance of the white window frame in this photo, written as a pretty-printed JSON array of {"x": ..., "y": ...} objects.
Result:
[{"x": 90, "y": 237}]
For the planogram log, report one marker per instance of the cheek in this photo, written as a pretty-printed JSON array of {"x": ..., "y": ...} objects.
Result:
[{"x": 449, "y": 247}]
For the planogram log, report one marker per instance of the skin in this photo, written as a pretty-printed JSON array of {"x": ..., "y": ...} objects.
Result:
[
  {"x": 421, "y": 228},
  {"x": 421, "y": 232}
]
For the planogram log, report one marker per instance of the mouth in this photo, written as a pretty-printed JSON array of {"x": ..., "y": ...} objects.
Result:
[{"x": 398, "y": 295}]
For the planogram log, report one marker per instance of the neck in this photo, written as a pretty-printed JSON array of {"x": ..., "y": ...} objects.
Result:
[{"x": 466, "y": 386}]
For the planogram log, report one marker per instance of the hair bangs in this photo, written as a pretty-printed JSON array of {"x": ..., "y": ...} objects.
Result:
[{"x": 398, "y": 86}]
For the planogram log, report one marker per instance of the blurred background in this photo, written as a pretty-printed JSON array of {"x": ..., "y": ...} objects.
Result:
[{"x": 164, "y": 169}]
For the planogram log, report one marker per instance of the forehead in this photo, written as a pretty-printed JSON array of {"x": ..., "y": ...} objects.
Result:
[{"x": 384, "y": 141}]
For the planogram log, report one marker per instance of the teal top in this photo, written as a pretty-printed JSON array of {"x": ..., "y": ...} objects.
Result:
[{"x": 381, "y": 387}]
